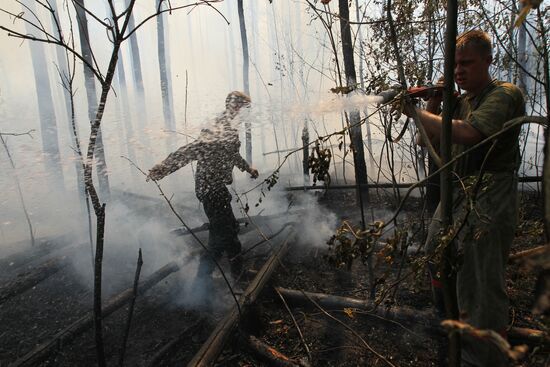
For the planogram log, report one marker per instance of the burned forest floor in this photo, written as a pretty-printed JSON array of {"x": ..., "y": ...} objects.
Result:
[{"x": 170, "y": 322}]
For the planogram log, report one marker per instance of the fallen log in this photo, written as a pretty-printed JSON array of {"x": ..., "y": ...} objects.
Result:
[
  {"x": 387, "y": 185},
  {"x": 533, "y": 252},
  {"x": 44, "y": 247},
  {"x": 172, "y": 345},
  {"x": 213, "y": 346},
  {"x": 269, "y": 354},
  {"x": 155, "y": 200},
  {"x": 26, "y": 280},
  {"x": 244, "y": 223},
  {"x": 336, "y": 302},
  {"x": 42, "y": 351},
  {"x": 516, "y": 335}
]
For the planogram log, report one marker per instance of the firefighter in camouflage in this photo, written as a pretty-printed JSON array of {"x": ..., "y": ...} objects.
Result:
[{"x": 486, "y": 215}]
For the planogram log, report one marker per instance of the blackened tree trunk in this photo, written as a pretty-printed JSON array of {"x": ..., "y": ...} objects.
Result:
[
  {"x": 433, "y": 185},
  {"x": 48, "y": 123},
  {"x": 89, "y": 80},
  {"x": 244, "y": 42},
  {"x": 446, "y": 267},
  {"x": 356, "y": 135}
]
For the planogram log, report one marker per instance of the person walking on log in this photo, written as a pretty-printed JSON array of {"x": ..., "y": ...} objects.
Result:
[
  {"x": 216, "y": 152},
  {"x": 486, "y": 213}
]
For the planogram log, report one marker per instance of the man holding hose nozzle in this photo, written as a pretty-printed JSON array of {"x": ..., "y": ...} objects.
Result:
[
  {"x": 484, "y": 215},
  {"x": 216, "y": 152}
]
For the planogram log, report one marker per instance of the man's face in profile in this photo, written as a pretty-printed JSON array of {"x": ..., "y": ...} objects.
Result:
[{"x": 471, "y": 68}]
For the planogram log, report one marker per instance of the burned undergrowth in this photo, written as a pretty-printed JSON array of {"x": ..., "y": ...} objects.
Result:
[{"x": 168, "y": 329}]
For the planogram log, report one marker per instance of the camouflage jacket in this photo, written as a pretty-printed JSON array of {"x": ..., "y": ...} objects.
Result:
[
  {"x": 216, "y": 152},
  {"x": 498, "y": 103}
]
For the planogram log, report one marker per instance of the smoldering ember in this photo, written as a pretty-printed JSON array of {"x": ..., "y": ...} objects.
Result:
[{"x": 274, "y": 183}]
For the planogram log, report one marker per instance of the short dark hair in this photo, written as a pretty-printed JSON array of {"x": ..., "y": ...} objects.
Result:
[{"x": 477, "y": 39}]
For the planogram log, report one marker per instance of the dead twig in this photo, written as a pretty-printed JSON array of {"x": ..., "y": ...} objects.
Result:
[
  {"x": 365, "y": 344},
  {"x": 306, "y": 347},
  {"x": 514, "y": 353},
  {"x": 131, "y": 310},
  {"x": 29, "y": 133}
]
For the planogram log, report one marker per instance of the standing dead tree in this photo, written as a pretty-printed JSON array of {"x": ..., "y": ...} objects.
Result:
[
  {"x": 246, "y": 83},
  {"x": 18, "y": 184},
  {"x": 117, "y": 27}
]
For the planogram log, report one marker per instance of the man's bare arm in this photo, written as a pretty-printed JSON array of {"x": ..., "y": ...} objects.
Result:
[{"x": 463, "y": 132}]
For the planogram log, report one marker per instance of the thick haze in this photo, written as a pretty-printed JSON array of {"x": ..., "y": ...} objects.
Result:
[{"x": 290, "y": 78}]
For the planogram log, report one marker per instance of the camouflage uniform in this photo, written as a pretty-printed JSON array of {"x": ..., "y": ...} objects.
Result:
[
  {"x": 216, "y": 152},
  {"x": 489, "y": 218}
]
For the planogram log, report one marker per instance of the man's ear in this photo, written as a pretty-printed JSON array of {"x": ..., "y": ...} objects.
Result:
[{"x": 489, "y": 59}]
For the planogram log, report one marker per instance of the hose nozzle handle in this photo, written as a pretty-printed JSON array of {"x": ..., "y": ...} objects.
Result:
[{"x": 388, "y": 95}]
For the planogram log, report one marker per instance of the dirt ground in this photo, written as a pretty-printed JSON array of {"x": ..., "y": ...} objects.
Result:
[{"x": 37, "y": 314}]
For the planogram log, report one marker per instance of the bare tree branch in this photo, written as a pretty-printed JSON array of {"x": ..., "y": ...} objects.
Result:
[{"x": 203, "y": 2}]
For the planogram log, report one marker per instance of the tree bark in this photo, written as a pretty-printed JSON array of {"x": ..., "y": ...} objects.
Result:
[
  {"x": 63, "y": 68},
  {"x": 356, "y": 135},
  {"x": 246, "y": 84},
  {"x": 89, "y": 80},
  {"x": 46, "y": 111},
  {"x": 131, "y": 309},
  {"x": 138, "y": 79},
  {"x": 164, "y": 81},
  {"x": 447, "y": 265}
]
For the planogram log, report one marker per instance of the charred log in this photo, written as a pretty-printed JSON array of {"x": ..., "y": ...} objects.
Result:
[
  {"x": 243, "y": 222},
  {"x": 213, "y": 346},
  {"x": 388, "y": 185},
  {"x": 515, "y": 335},
  {"x": 29, "y": 279},
  {"x": 44, "y": 246},
  {"x": 170, "y": 347},
  {"x": 65, "y": 336}
]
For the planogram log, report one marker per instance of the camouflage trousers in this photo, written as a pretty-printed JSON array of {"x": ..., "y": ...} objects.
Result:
[
  {"x": 222, "y": 237},
  {"x": 488, "y": 224}
]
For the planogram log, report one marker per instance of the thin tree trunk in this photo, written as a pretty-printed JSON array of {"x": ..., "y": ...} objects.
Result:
[
  {"x": 522, "y": 57},
  {"x": 126, "y": 115},
  {"x": 356, "y": 135},
  {"x": 63, "y": 69},
  {"x": 131, "y": 309},
  {"x": 138, "y": 79},
  {"x": 164, "y": 81},
  {"x": 448, "y": 274},
  {"x": 244, "y": 42},
  {"x": 19, "y": 191},
  {"x": 433, "y": 188},
  {"x": 546, "y": 169},
  {"x": 48, "y": 124},
  {"x": 89, "y": 80},
  {"x": 362, "y": 81}
]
